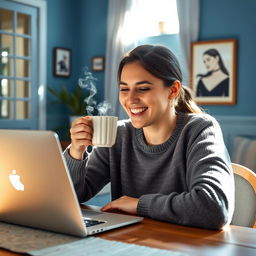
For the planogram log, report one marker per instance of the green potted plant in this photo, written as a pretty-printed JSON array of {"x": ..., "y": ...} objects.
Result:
[{"x": 74, "y": 100}]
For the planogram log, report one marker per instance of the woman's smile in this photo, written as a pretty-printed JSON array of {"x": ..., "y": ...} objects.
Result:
[{"x": 138, "y": 111}]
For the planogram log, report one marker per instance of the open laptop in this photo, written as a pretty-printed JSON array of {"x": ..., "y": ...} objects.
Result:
[{"x": 36, "y": 189}]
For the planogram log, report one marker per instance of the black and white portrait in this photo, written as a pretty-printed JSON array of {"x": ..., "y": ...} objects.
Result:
[
  {"x": 62, "y": 62},
  {"x": 213, "y": 71}
]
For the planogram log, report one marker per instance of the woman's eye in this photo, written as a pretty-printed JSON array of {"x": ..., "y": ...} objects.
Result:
[
  {"x": 124, "y": 89},
  {"x": 143, "y": 89}
]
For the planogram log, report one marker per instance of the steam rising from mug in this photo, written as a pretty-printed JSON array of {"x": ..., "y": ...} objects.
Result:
[{"x": 88, "y": 83}]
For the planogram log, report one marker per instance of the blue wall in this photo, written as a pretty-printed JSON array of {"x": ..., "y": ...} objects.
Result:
[
  {"x": 79, "y": 25},
  {"x": 92, "y": 36},
  {"x": 61, "y": 32},
  {"x": 234, "y": 19}
]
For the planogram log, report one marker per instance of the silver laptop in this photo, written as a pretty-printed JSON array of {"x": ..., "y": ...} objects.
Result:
[{"x": 36, "y": 189}]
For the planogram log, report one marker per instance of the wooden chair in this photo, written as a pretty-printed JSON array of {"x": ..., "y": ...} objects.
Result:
[{"x": 245, "y": 197}]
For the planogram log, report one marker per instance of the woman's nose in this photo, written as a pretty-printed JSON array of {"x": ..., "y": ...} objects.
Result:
[{"x": 133, "y": 96}]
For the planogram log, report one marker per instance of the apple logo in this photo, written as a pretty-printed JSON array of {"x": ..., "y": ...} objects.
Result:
[{"x": 15, "y": 181}]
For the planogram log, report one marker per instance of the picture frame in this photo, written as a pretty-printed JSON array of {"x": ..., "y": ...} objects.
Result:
[
  {"x": 98, "y": 63},
  {"x": 213, "y": 71},
  {"x": 62, "y": 62}
]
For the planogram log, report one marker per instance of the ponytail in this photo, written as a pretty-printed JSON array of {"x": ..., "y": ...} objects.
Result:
[{"x": 185, "y": 102}]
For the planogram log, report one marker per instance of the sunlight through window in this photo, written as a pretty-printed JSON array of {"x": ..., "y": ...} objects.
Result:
[{"x": 150, "y": 18}]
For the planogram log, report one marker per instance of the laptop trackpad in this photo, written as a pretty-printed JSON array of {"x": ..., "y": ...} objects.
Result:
[{"x": 89, "y": 213}]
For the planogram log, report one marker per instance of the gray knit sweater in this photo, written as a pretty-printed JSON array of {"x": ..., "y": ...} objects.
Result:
[{"x": 187, "y": 180}]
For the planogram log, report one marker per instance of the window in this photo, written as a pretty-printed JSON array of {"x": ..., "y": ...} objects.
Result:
[{"x": 150, "y": 18}]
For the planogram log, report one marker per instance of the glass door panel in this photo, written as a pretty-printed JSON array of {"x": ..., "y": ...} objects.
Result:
[
  {"x": 6, "y": 66},
  {"x": 23, "y": 26},
  {"x": 22, "y": 110},
  {"x": 6, "y": 44},
  {"x": 6, "y": 109},
  {"x": 22, "y": 46},
  {"x": 7, "y": 88},
  {"x": 6, "y": 20},
  {"x": 22, "y": 89},
  {"x": 22, "y": 68}
]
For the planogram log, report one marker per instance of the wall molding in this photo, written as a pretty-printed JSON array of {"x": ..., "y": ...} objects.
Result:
[
  {"x": 236, "y": 125},
  {"x": 234, "y": 119}
]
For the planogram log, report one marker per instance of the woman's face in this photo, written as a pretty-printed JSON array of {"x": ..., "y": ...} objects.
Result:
[
  {"x": 211, "y": 62},
  {"x": 143, "y": 96}
]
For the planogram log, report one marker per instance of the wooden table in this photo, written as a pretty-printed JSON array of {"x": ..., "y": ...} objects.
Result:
[{"x": 232, "y": 241}]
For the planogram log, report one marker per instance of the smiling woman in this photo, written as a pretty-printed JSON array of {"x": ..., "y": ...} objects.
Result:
[
  {"x": 145, "y": 98},
  {"x": 169, "y": 161}
]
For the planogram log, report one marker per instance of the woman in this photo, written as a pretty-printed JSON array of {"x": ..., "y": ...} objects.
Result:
[
  {"x": 169, "y": 161},
  {"x": 216, "y": 81}
]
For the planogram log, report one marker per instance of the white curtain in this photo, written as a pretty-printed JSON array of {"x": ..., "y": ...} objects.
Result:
[
  {"x": 188, "y": 13},
  {"x": 117, "y": 20}
]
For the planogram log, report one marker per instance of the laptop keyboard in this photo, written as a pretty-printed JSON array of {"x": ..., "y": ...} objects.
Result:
[{"x": 90, "y": 222}]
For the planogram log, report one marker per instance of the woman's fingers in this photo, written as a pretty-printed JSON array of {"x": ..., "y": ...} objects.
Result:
[
  {"x": 124, "y": 203},
  {"x": 81, "y": 136}
]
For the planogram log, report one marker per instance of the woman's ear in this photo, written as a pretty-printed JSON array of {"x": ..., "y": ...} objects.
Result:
[{"x": 174, "y": 89}]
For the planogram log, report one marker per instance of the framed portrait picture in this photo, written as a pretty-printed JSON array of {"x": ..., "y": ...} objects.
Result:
[
  {"x": 61, "y": 62},
  {"x": 98, "y": 63},
  {"x": 213, "y": 71}
]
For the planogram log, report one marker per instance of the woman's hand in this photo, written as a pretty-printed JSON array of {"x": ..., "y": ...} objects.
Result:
[
  {"x": 81, "y": 136},
  {"x": 124, "y": 203}
]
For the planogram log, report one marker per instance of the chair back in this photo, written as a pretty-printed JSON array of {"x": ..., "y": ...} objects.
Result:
[{"x": 245, "y": 197}]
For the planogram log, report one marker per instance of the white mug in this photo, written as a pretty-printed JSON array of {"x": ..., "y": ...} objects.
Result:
[{"x": 104, "y": 130}]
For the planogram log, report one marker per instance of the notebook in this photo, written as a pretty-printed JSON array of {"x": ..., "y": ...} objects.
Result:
[{"x": 36, "y": 189}]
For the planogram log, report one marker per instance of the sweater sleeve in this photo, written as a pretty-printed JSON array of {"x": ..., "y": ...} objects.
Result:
[
  {"x": 209, "y": 199},
  {"x": 90, "y": 175}
]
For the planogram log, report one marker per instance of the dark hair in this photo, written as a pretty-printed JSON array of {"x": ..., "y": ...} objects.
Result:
[
  {"x": 214, "y": 53},
  {"x": 162, "y": 63}
]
